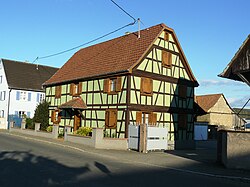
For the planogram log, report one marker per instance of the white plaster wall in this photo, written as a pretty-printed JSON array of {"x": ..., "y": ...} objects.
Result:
[
  {"x": 3, "y": 104},
  {"x": 26, "y": 106}
]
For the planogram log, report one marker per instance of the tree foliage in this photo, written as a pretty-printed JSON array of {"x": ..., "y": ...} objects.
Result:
[{"x": 42, "y": 115}]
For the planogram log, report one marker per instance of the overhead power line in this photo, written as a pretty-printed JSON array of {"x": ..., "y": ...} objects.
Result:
[
  {"x": 91, "y": 41},
  {"x": 123, "y": 10}
]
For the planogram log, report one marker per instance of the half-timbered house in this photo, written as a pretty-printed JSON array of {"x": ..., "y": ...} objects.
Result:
[{"x": 141, "y": 77}]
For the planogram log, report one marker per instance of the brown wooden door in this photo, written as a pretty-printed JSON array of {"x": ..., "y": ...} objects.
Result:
[{"x": 77, "y": 121}]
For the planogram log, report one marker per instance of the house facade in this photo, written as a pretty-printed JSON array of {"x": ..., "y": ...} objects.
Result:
[
  {"x": 21, "y": 88},
  {"x": 218, "y": 111},
  {"x": 126, "y": 80}
]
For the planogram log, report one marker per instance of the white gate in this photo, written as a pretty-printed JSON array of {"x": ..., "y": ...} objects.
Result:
[{"x": 156, "y": 138}]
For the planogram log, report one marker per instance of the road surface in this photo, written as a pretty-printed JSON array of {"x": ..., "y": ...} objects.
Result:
[{"x": 27, "y": 161}]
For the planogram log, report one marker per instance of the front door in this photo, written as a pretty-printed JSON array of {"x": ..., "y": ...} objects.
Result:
[{"x": 77, "y": 121}]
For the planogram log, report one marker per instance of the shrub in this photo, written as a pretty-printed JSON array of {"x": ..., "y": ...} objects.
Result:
[
  {"x": 84, "y": 131},
  {"x": 29, "y": 123},
  {"x": 49, "y": 128},
  {"x": 42, "y": 115}
]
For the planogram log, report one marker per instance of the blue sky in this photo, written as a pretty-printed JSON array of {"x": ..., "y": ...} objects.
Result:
[{"x": 210, "y": 32}]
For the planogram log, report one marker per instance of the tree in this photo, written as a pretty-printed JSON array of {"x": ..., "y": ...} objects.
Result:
[{"x": 42, "y": 115}]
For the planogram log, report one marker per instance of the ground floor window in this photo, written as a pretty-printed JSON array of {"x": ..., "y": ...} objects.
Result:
[
  {"x": 1, "y": 113},
  {"x": 55, "y": 116},
  {"x": 111, "y": 118},
  {"x": 149, "y": 118}
]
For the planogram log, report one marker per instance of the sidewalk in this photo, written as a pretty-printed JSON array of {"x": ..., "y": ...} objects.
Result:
[{"x": 200, "y": 161}]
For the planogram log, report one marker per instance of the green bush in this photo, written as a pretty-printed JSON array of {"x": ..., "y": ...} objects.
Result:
[
  {"x": 29, "y": 123},
  {"x": 83, "y": 131},
  {"x": 49, "y": 128},
  {"x": 42, "y": 115}
]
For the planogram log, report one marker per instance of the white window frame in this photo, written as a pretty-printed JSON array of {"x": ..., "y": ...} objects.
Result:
[{"x": 23, "y": 96}]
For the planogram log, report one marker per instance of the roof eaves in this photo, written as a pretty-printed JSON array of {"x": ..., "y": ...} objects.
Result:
[
  {"x": 26, "y": 89},
  {"x": 86, "y": 78},
  {"x": 225, "y": 71}
]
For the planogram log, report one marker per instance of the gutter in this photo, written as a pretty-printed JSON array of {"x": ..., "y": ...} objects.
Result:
[{"x": 8, "y": 110}]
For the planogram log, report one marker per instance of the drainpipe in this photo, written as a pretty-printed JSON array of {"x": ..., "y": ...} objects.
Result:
[{"x": 10, "y": 89}]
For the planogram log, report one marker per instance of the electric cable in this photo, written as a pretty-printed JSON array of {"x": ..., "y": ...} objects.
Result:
[{"x": 91, "y": 41}]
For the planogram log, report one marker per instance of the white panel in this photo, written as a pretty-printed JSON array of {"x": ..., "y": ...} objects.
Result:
[{"x": 133, "y": 141}]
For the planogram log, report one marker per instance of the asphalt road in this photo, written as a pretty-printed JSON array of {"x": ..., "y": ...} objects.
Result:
[{"x": 38, "y": 162}]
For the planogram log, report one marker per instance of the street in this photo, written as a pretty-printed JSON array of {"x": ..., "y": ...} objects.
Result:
[{"x": 29, "y": 161}]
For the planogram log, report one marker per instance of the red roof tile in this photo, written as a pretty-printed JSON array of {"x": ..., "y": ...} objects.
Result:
[
  {"x": 207, "y": 101},
  {"x": 75, "y": 103},
  {"x": 114, "y": 56}
]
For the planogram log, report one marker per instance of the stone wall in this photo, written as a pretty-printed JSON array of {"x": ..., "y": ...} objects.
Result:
[{"x": 234, "y": 149}]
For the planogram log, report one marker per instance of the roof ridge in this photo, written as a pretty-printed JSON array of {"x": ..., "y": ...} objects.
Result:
[
  {"x": 125, "y": 35},
  {"x": 209, "y": 94}
]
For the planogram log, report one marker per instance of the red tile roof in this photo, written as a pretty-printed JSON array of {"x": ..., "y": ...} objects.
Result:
[
  {"x": 75, "y": 103},
  {"x": 114, "y": 56},
  {"x": 207, "y": 101}
]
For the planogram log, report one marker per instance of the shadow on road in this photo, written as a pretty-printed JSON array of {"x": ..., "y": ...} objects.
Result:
[
  {"x": 18, "y": 168},
  {"x": 25, "y": 169}
]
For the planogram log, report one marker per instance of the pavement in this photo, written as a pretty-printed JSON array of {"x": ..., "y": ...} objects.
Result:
[{"x": 201, "y": 161}]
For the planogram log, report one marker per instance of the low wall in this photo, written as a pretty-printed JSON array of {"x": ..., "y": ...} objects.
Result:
[
  {"x": 88, "y": 141},
  {"x": 36, "y": 132},
  {"x": 234, "y": 149},
  {"x": 113, "y": 143},
  {"x": 97, "y": 140}
]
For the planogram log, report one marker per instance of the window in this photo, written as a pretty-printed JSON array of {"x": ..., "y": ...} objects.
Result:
[
  {"x": 2, "y": 95},
  {"x": 1, "y": 113},
  {"x": 21, "y": 114},
  {"x": 110, "y": 118},
  {"x": 149, "y": 118},
  {"x": 182, "y": 91},
  {"x": 166, "y": 59},
  {"x": 29, "y": 96},
  {"x": 166, "y": 36},
  {"x": 112, "y": 86},
  {"x": 55, "y": 116},
  {"x": 22, "y": 96},
  {"x": 1, "y": 79},
  {"x": 146, "y": 86},
  {"x": 58, "y": 91},
  {"x": 75, "y": 89},
  {"x": 182, "y": 121},
  {"x": 40, "y": 97}
]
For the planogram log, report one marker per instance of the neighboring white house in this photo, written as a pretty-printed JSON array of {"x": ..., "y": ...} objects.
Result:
[{"x": 21, "y": 88}]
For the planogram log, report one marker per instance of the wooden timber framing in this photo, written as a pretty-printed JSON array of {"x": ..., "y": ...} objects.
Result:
[{"x": 170, "y": 92}]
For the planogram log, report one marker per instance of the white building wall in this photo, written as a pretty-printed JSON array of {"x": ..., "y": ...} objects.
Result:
[
  {"x": 15, "y": 105},
  {"x": 3, "y": 99}
]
